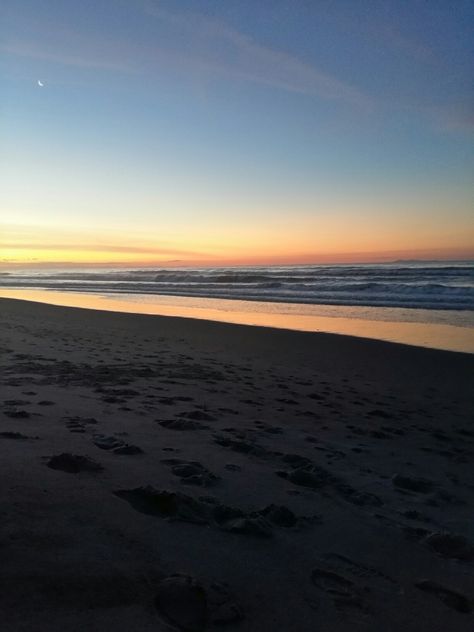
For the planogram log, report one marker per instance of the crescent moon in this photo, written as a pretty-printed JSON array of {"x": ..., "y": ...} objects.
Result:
[{"x": 40, "y": 83}]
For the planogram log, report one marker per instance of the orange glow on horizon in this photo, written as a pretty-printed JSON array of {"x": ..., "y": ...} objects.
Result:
[
  {"x": 105, "y": 259},
  {"x": 285, "y": 242}
]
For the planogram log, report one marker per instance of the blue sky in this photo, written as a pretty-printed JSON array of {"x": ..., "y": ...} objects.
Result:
[{"x": 236, "y": 130}]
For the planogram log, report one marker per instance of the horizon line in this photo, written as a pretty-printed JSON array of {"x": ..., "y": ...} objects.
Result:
[{"x": 225, "y": 264}]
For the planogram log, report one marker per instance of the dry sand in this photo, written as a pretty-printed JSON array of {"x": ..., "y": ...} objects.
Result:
[{"x": 162, "y": 473}]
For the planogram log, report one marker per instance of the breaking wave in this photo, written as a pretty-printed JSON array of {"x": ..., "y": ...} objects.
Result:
[{"x": 420, "y": 285}]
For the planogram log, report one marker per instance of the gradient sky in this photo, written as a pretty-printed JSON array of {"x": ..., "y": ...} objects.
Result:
[{"x": 237, "y": 131}]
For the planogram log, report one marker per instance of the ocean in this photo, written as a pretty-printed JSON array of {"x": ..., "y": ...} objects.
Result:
[{"x": 429, "y": 286}]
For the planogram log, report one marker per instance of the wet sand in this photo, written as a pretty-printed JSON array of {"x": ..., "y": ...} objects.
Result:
[
  {"x": 166, "y": 473},
  {"x": 450, "y": 330}
]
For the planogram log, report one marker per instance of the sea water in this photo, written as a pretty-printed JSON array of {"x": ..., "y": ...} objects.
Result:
[
  {"x": 437, "y": 286},
  {"x": 424, "y": 304}
]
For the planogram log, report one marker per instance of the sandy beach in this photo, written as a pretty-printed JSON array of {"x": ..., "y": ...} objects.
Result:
[{"x": 165, "y": 473}]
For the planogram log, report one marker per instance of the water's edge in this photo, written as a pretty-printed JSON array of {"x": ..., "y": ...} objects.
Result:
[{"x": 394, "y": 325}]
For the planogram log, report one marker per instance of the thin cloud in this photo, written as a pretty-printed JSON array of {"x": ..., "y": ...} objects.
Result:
[
  {"x": 153, "y": 250},
  {"x": 212, "y": 48},
  {"x": 241, "y": 57},
  {"x": 33, "y": 51}
]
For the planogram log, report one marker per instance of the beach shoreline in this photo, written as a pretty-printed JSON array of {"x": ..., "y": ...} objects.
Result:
[
  {"x": 415, "y": 327},
  {"x": 146, "y": 460}
]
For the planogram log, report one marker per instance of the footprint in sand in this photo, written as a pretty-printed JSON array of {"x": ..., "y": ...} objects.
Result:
[
  {"x": 73, "y": 463},
  {"x": 192, "y": 605},
  {"x": 17, "y": 414},
  {"x": 237, "y": 445},
  {"x": 15, "y": 436},
  {"x": 16, "y": 402},
  {"x": 412, "y": 484},
  {"x": 117, "y": 446},
  {"x": 191, "y": 472},
  {"x": 344, "y": 593},
  {"x": 182, "y": 424},
  {"x": 455, "y": 600},
  {"x": 79, "y": 424},
  {"x": 209, "y": 511},
  {"x": 450, "y": 545}
]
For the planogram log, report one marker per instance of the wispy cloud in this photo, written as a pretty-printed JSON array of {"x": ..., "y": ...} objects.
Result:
[
  {"x": 195, "y": 45},
  {"x": 35, "y": 51},
  {"x": 47, "y": 238},
  {"x": 202, "y": 46},
  {"x": 144, "y": 250},
  {"x": 221, "y": 48}
]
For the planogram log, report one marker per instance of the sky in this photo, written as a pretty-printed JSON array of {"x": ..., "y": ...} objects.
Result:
[{"x": 148, "y": 132}]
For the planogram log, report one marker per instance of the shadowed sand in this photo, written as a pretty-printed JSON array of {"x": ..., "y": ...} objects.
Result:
[{"x": 164, "y": 473}]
